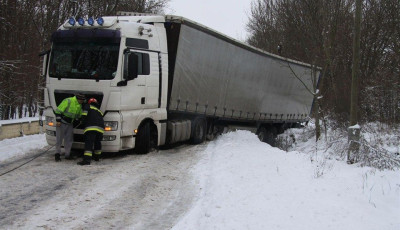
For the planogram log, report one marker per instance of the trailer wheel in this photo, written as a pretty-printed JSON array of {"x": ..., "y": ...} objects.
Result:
[
  {"x": 262, "y": 133},
  {"x": 267, "y": 135},
  {"x": 198, "y": 131},
  {"x": 212, "y": 130},
  {"x": 271, "y": 137},
  {"x": 142, "y": 144}
]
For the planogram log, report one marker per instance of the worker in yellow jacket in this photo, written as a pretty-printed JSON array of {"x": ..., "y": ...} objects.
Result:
[{"x": 69, "y": 110}]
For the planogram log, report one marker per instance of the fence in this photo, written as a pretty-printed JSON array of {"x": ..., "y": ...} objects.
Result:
[{"x": 19, "y": 128}]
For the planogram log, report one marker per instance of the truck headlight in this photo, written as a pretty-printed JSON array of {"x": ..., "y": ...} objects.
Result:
[
  {"x": 50, "y": 121},
  {"x": 110, "y": 125}
]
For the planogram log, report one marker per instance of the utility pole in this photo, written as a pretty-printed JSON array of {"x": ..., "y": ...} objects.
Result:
[{"x": 354, "y": 129}]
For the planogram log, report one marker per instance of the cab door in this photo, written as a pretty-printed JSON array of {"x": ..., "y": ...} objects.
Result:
[
  {"x": 144, "y": 89},
  {"x": 152, "y": 82}
]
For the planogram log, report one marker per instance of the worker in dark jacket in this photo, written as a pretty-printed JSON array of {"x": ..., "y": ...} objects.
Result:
[
  {"x": 68, "y": 111},
  {"x": 92, "y": 119}
]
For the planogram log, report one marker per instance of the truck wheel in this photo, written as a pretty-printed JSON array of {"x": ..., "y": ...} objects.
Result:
[
  {"x": 271, "y": 135},
  {"x": 198, "y": 131},
  {"x": 212, "y": 130},
  {"x": 266, "y": 135},
  {"x": 142, "y": 144},
  {"x": 262, "y": 133}
]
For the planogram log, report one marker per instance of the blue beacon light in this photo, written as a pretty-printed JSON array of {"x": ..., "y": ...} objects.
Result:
[
  {"x": 100, "y": 21},
  {"x": 90, "y": 21},
  {"x": 81, "y": 21},
  {"x": 71, "y": 21}
]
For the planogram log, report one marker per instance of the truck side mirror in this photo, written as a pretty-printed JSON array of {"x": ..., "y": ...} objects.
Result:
[
  {"x": 131, "y": 66},
  {"x": 45, "y": 55}
]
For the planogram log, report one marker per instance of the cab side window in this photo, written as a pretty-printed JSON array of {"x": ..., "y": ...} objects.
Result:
[{"x": 143, "y": 63}]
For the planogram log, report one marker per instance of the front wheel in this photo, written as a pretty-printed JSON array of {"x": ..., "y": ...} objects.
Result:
[{"x": 142, "y": 144}]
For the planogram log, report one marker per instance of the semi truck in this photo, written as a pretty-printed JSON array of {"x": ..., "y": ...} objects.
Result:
[{"x": 164, "y": 79}]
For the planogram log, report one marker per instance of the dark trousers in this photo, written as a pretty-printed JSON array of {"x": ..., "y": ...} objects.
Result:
[{"x": 92, "y": 143}]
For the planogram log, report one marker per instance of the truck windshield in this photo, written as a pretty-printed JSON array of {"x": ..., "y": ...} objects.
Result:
[{"x": 84, "y": 60}]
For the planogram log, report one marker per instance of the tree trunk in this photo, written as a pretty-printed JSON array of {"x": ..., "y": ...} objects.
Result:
[
  {"x": 354, "y": 136},
  {"x": 356, "y": 65},
  {"x": 316, "y": 103},
  {"x": 317, "y": 118}
]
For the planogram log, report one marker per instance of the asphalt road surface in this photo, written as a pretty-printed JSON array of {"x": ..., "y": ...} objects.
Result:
[{"x": 120, "y": 192}]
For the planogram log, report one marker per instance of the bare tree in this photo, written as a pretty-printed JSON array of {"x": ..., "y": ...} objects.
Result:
[
  {"x": 321, "y": 32},
  {"x": 356, "y": 65},
  {"x": 354, "y": 131},
  {"x": 25, "y": 30}
]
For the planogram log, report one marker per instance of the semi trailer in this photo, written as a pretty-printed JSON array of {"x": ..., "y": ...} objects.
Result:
[{"x": 163, "y": 79}]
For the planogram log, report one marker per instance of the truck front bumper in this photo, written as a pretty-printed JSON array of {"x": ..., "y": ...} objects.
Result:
[{"x": 110, "y": 143}]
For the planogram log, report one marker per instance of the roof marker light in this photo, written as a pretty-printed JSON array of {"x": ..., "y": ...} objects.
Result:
[
  {"x": 81, "y": 21},
  {"x": 71, "y": 21},
  {"x": 100, "y": 21},
  {"x": 90, "y": 21}
]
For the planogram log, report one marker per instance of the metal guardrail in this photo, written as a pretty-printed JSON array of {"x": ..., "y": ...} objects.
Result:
[{"x": 19, "y": 128}]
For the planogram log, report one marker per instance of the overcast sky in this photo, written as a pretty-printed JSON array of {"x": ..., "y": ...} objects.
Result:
[{"x": 226, "y": 16}]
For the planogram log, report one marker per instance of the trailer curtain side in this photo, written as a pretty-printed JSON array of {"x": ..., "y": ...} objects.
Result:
[{"x": 214, "y": 75}]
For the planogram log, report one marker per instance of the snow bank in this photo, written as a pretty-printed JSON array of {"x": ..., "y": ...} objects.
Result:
[
  {"x": 246, "y": 184},
  {"x": 21, "y": 145}
]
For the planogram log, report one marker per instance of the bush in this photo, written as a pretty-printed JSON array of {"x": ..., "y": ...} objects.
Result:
[{"x": 379, "y": 144}]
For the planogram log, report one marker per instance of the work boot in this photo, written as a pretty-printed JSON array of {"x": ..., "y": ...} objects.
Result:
[
  {"x": 57, "y": 157},
  {"x": 96, "y": 157},
  {"x": 84, "y": 162}
]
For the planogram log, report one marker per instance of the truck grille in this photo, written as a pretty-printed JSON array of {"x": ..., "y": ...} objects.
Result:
[
  {"x": 60, "y": 95},
  {"x": 79, "y": 138}
]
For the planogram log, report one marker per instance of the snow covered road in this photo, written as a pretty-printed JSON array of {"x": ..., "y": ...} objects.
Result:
[
  {"x": 233, "y": 182},
  {"x": 132, "y": 191}
]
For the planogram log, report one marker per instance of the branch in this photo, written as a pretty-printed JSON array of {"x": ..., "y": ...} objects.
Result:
[
  {"x": 382, "y": 152},
  {"x": 298, "y": 78},
  {"x": 9, "y": 65}
]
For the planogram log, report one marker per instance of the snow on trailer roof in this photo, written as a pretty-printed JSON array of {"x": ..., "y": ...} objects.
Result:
[{"x": 196, "y": 25}]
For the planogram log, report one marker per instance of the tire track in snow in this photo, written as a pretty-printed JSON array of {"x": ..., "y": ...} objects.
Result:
[{"x": 137, "y": 191}]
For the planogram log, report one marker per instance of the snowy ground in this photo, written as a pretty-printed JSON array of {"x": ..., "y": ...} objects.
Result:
[
  {"x": 233, "y": 182},
  {"x": 246, "y": 184},
  {"x": 15, "y": 147}
]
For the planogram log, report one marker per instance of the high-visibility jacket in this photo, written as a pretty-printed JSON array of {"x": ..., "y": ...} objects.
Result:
[
  {"x": 92, "y": 119},
  {"x": 68, "y": 110}
]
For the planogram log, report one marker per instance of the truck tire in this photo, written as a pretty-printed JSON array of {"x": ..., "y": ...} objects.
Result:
[
  {"x": 271, "y": 137},
  {"x": 267, "y": 135},
  {"x": 261, "y": 134},
  {"x": 212, "y": 131},
  {"x": 142, "y": 144},
  {"x": 198, "y": 131}
]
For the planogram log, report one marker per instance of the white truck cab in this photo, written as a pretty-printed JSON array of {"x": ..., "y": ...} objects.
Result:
[{"x": 92, "y": 59}]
